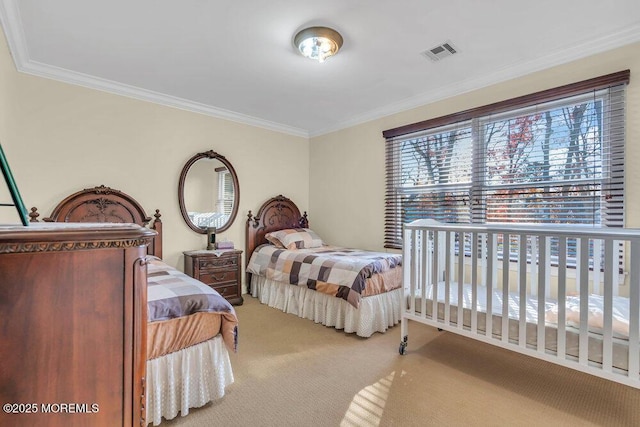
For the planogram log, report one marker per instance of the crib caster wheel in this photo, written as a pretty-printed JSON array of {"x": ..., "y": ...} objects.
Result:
[{"x": 403, "y": 347}]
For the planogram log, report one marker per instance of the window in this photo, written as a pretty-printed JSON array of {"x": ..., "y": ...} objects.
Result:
[{"x": 553, "y": 157}]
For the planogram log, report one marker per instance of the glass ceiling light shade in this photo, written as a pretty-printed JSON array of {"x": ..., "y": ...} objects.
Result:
[{"x": 318, "y": 43}]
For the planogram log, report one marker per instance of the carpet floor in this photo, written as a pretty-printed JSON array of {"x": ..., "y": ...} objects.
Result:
[{"x": 292, "y": 372}]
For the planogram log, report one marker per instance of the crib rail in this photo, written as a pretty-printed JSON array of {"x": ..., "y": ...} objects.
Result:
[{"x": 568, "y": 295}]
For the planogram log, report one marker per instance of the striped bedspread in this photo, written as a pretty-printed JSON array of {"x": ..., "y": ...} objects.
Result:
[
  {"x": 172, "y": 294},
  {"x": 332, "y": 270}
]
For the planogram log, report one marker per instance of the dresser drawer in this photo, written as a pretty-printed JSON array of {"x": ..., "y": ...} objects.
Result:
[{"x": 217, "y": 262}]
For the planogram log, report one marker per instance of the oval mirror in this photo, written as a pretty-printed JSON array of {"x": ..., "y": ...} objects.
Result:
[{"x": 208, "y": 192}]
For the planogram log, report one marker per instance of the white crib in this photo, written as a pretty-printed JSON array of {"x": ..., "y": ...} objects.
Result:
[{"x": 568, "y": 295}]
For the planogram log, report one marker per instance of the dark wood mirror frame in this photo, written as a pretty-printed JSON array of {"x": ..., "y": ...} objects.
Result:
[{"x": 236, "y": 190}]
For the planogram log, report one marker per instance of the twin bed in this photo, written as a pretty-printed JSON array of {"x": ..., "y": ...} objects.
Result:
[
  {"x": 191, "y": 329},
  {"x": 353, "y": 290}
]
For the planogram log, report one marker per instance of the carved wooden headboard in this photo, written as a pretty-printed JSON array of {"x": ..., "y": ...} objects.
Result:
[
  {"x": 104, "y": 204},
  {"x": 277, "y": 213}
]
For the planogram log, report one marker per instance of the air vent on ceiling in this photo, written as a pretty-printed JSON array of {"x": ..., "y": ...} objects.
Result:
[{"x": 441, "y": 51}]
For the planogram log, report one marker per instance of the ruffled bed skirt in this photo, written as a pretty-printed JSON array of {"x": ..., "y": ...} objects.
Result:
[
  {"x": 188, "y": 378},
  {"x": 376, "y": 313}
]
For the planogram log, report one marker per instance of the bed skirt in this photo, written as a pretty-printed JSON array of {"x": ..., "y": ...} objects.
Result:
[
  {"x": 376, "y": 313},
  {"x": 188, "y": 378}
]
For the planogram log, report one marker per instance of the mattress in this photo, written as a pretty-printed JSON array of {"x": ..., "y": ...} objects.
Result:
[{"x": 620, "y": 353}]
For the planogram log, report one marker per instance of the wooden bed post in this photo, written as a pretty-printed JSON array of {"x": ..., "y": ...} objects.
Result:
[{"x": 157, "y": 242}]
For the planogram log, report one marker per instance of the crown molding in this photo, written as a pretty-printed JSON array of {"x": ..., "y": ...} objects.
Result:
[
  {"x": 12, "y": 24},
  {"x": 43, "y": 70}
]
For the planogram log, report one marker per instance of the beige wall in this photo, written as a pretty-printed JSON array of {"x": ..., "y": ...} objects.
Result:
[
  {"x": 347, "y": 169},
  {"x": 61, "y": 138}
]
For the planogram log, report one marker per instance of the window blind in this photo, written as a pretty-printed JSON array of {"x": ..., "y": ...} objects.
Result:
[
  {"x": 225, "y": 192},
  {"x": 555, "y": 156},
  {"x": 228, "y": 194}
]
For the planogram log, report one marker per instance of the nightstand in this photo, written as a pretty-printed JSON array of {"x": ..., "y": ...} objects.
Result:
[{"x": 219, "y": 269}]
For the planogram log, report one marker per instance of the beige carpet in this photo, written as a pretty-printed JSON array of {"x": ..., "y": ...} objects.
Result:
[{"x": 292, "y": 372}]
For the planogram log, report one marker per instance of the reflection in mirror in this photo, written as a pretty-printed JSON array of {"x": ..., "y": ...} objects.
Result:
[{"x": 208, "y": 192}]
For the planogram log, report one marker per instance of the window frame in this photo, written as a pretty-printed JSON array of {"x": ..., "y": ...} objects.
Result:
[{"x": 393, "y": 211}]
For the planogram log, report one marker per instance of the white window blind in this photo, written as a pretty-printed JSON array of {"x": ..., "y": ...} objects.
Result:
[
  {"x": 554, "y": 157},
  {"x": 225, "y": 192}
]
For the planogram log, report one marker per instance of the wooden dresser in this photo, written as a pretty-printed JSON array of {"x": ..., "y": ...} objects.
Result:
[
  {"x": 73, "y": 329},
  {"x": 219, "y": 269}
]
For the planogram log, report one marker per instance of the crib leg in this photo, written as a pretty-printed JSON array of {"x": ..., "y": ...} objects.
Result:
[
  {"x": 403, "y": 346},
  {"x": 404, "y": 334}
]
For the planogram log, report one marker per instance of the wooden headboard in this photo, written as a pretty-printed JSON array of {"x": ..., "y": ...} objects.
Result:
[
  {"x": 104, "y": 204},
  {"x": 275, "y": 214}
]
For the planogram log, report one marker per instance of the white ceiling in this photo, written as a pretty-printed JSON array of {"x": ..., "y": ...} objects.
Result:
[{"x": 235, "y": 59}]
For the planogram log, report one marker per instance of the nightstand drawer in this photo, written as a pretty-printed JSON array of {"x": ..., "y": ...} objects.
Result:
[
  {"x": 215, "y": 263},
  {"x": 227, "y": 291},
  {"x": 219, "y": 277}
]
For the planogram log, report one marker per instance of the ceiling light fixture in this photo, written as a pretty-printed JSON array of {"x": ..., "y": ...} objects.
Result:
[{"x": 318, "y": 43}]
